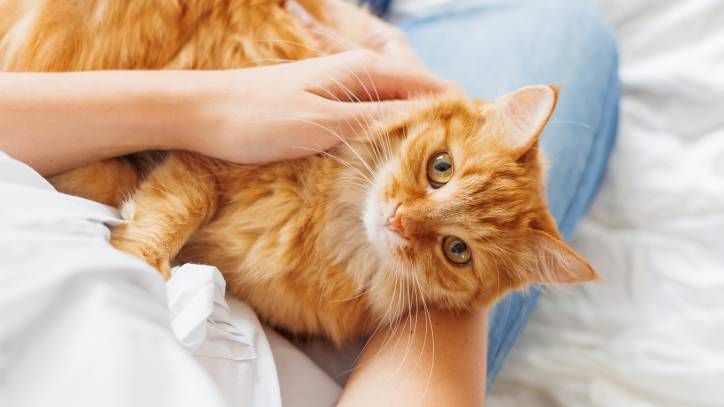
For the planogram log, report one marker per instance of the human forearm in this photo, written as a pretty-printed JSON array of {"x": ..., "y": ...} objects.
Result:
[
  {"x": 58, "y": 121},
  {"x": 411, "y": 366}
]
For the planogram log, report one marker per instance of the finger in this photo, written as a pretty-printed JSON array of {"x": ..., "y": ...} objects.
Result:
[
  {"x": 358, "y": 19},
  {"x": 371, "y": 32},
  {"x": 365, "y": 76},
  {"x": 394, "y": 81},
  {"x": 358, "y": 119},
  {"x": 329, "y": 40}
]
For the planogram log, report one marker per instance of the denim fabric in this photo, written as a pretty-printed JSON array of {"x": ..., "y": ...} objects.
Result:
[
  {"x": 494, "y": 46},
  {"x": 379, "y": 7}
]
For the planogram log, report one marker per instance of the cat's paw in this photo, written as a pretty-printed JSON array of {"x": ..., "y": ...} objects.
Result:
[{"x": 154, "y": 258}]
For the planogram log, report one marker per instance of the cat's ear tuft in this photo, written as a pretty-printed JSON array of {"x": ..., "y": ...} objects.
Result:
[
  {"x": 557, "y": 263},
  {"x": 524, "y": 113}
]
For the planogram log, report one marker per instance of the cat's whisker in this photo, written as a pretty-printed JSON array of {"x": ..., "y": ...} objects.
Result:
[
  {"x": 582, "y": 124},
  {"x": 418, "y": 297},
  {"x": 341, "y": 44},
  {"x": 340, "y": 138},
  {"x": 379, "y": 326},
  {"x": 260, "y": 61},
  {"x": 358, "y": 295},
  {"x": 332, "y": 132},
  {"x": 414, "y": 325},
  {"x": 395, "y": 307},
  {"x": 410, "y": 336},
  {"x": 368, "y": 127},
  {"x": 383, "y": 132},
  {"x": 377, "y": 98},
  {"x": 338, "y": 159},
  {"x": 332, "y": 36},
  {"x": 316, "y": 51},
  {"x": 404, "y": 312},
  {"x": 346, "y": 90},
  {"x": 352, "y": 96},
  {"x": 395, "y": 314},
  {"x": 432, "y": 336}
]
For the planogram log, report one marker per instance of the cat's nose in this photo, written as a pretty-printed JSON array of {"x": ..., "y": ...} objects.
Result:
[{"x": 394, "y": 223}]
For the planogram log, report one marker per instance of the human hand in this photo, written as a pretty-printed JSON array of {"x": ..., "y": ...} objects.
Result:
[
  {"x": 353, "y": 28},
  {"x": 295, "y": 109}
]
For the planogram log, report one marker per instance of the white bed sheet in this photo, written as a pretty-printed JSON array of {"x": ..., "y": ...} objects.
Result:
[{"x": 651, "y": 333}]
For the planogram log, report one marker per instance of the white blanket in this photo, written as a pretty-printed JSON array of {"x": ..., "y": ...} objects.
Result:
[{"x": 651, "y": 333}]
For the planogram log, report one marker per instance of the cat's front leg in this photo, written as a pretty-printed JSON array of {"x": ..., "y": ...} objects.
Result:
[{"x": 177, "y": 198}]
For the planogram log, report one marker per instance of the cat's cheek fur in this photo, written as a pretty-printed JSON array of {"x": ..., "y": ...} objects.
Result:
[{"x": 378, "y": 207}]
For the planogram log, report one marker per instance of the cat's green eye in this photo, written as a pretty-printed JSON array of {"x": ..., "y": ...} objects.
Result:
[
  {"x": 439, "y": 169},
  {"x": 456, "y": 251}
]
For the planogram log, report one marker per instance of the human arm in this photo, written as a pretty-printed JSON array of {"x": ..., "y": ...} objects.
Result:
[
  {"x": 58, "y": 121},
  {"x": 438, "y": 362},
  {"x": 412, "y": 364}
]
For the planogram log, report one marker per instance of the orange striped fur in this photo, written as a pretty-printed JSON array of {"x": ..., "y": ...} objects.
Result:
[{"x": 304, "y": 242}]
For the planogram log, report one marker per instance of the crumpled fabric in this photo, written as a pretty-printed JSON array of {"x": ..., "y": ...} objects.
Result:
[
  {"x": 84, "y": 324},
  {"x": 226, "y": 338}
]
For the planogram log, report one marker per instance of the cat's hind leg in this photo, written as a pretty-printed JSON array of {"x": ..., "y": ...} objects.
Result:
[{"x": 176, "y": 198}]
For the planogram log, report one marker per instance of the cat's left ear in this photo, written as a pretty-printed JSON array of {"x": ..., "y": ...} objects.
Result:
[{"x": 520, "y": 116}]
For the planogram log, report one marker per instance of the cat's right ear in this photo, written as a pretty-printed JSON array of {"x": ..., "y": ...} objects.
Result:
[
  {"x": 557, "y": 263},
  {"x": 519, "y": 117}
]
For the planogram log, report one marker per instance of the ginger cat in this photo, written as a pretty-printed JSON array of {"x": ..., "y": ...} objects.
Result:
[{"x": 442, "y": 207}]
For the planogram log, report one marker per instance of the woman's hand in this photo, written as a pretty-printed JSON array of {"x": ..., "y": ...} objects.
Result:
[
  {"x": 59, "y": 121},
  {"x": 362, "y": 30},
  {"x": 290, "y": 110}
]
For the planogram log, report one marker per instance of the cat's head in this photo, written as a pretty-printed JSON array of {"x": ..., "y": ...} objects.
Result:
[{"x": 461, "y": 209}]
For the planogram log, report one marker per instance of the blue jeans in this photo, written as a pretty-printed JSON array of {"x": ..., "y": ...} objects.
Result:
[{"x": 491, "y": 47}]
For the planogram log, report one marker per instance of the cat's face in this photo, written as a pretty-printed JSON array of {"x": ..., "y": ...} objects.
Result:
[{"x": 460, "y": 211}]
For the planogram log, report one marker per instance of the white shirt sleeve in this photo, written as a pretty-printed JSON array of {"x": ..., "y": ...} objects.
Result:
[{"x": 83, "y": 324}]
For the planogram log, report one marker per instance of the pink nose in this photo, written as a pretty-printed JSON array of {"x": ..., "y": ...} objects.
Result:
[{"x": 395, "y": 224}]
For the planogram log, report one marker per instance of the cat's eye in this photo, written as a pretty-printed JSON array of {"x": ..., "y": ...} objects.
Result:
[
  {"x": 439, "y": 169},
  {"x": 456, "y": 251}
]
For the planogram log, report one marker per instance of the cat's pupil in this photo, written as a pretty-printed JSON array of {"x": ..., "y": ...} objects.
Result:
[
  {"x": 442, "y": 167},
  {"x": 459, "y": 248}
]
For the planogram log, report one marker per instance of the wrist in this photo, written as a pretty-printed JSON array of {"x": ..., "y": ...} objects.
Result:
[{"x": 187, "y": 111}]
